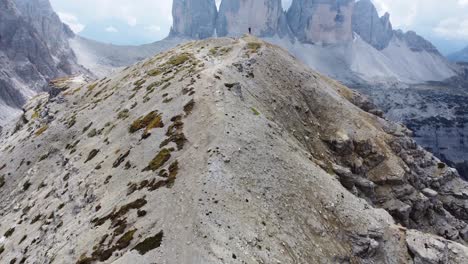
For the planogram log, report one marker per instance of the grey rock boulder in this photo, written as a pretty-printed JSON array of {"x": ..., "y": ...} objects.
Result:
[{"x": 428, "y": 249}]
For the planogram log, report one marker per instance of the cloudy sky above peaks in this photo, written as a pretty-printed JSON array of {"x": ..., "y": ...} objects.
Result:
[{"x": 444, "y": 22}]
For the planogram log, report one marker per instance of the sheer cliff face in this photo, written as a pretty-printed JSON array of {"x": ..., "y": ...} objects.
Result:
[
  {"x": 40, "y": 15},
  {"x": 24, "y": 57},
  {"x": 375, "y": 30},
  {"x": 194, "y": 18},
  {"x": 33, "y": 49},
  {"x": 327, "y": 22},
  {"x": 265, "y": 17}
]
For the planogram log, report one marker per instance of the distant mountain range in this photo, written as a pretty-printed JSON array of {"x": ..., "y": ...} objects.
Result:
[{"x": 460, "y": 56}]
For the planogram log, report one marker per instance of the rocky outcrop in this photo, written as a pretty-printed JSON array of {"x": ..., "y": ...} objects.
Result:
[
  {"x": 415, "y": 42},
  {"x": 194, "y": 19},
  {"x": 265, "y": 18},
  {"x": 24, "y": 58},
  {"x": 40, "y": 15},
  {"x": 33, "y": 49},
  {"x": 427, "y": 249},
  {"x": 319, "y": 21},
  {"x": 375, "y": 30}
]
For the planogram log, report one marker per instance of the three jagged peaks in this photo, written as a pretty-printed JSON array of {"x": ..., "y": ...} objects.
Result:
[{"x": 308, "y": 21}]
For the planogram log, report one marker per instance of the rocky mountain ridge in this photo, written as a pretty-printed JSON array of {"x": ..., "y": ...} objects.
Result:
[
  {"x": 222, "y": 151},
  {"x": 318, "y": 32},
  {"x": 379, "y": 60}
]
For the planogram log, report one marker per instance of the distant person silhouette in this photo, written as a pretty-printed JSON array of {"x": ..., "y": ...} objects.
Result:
[{"x": 250, "y": 31}]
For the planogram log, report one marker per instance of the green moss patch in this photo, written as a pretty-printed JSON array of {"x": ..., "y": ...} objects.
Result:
[
  {"x": 125, "y": 239},
  {"x": 188, "y": 108},
  {"x": 148, "y": 122},
  {"x": 173, "y": 171},
  {"x": 179, "y": 59},
  {"x": 86, "y": 128},
  {"x": 218, "y": 51},
  {"x": 255, "y": 112},
  {"x": 253, "y": 47},
  {"x": 155, "y": 72},
  {"x": 120, "y": 159},
  {"x": 9, "y": 232},
  {"x": 155, "y": 184},
  {"x": 41, "y": 130},
  {"x": 92, "y": 86},
  {"x": 149, "y": 243},
  {"x": 103, "y": 254},
  {"x": 116, "y": 215},
  {"x": 71, "y": 122},
  {"x": 124, "y": 114},
  {"x": 175, "y": 134},
  {"x": 159, "y": 160},
  {"x": 92, "y": 154},
  {"x": 2, "y": 181},
  {"x": 26, "y": 185}
]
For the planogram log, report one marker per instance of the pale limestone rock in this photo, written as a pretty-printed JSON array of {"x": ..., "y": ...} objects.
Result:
[{"x": 321, "y": 22}]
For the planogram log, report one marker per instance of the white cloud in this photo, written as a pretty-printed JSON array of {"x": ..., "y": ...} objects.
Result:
[
  {"x": 111, "y": 29},
  {"x": 446, "y": 19},
  {"x": 131, "y": 21},
  {"x": 133, "y": 13},
  {"x": 463, "y": 3},
  {"x": 72, "y": 21},
  {"x": 153, "y": 28},
  {"x": 453, "y": 28}
]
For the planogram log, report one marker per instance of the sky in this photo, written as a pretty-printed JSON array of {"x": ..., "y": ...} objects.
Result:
[{"x": 443, "y": 22}]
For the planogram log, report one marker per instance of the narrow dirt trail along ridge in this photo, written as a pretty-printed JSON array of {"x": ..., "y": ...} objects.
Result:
[{"x": 221, "y": 151}]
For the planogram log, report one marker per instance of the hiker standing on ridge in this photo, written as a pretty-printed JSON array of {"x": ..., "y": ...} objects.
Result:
[{"x": 250, "y": 31}]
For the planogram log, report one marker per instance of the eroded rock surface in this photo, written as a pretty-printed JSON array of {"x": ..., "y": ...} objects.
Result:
[{"x": 221, "y": 151}]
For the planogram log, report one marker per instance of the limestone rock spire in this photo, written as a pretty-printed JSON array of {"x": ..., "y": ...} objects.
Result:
[
  {"x": 321, "y": 21},
  {"x": 194, "y": 18},
  {"x": 265, "y": 17}
]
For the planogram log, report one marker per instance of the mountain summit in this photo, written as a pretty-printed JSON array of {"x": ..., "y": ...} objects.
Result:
[{"x": 222, "y": 151}]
